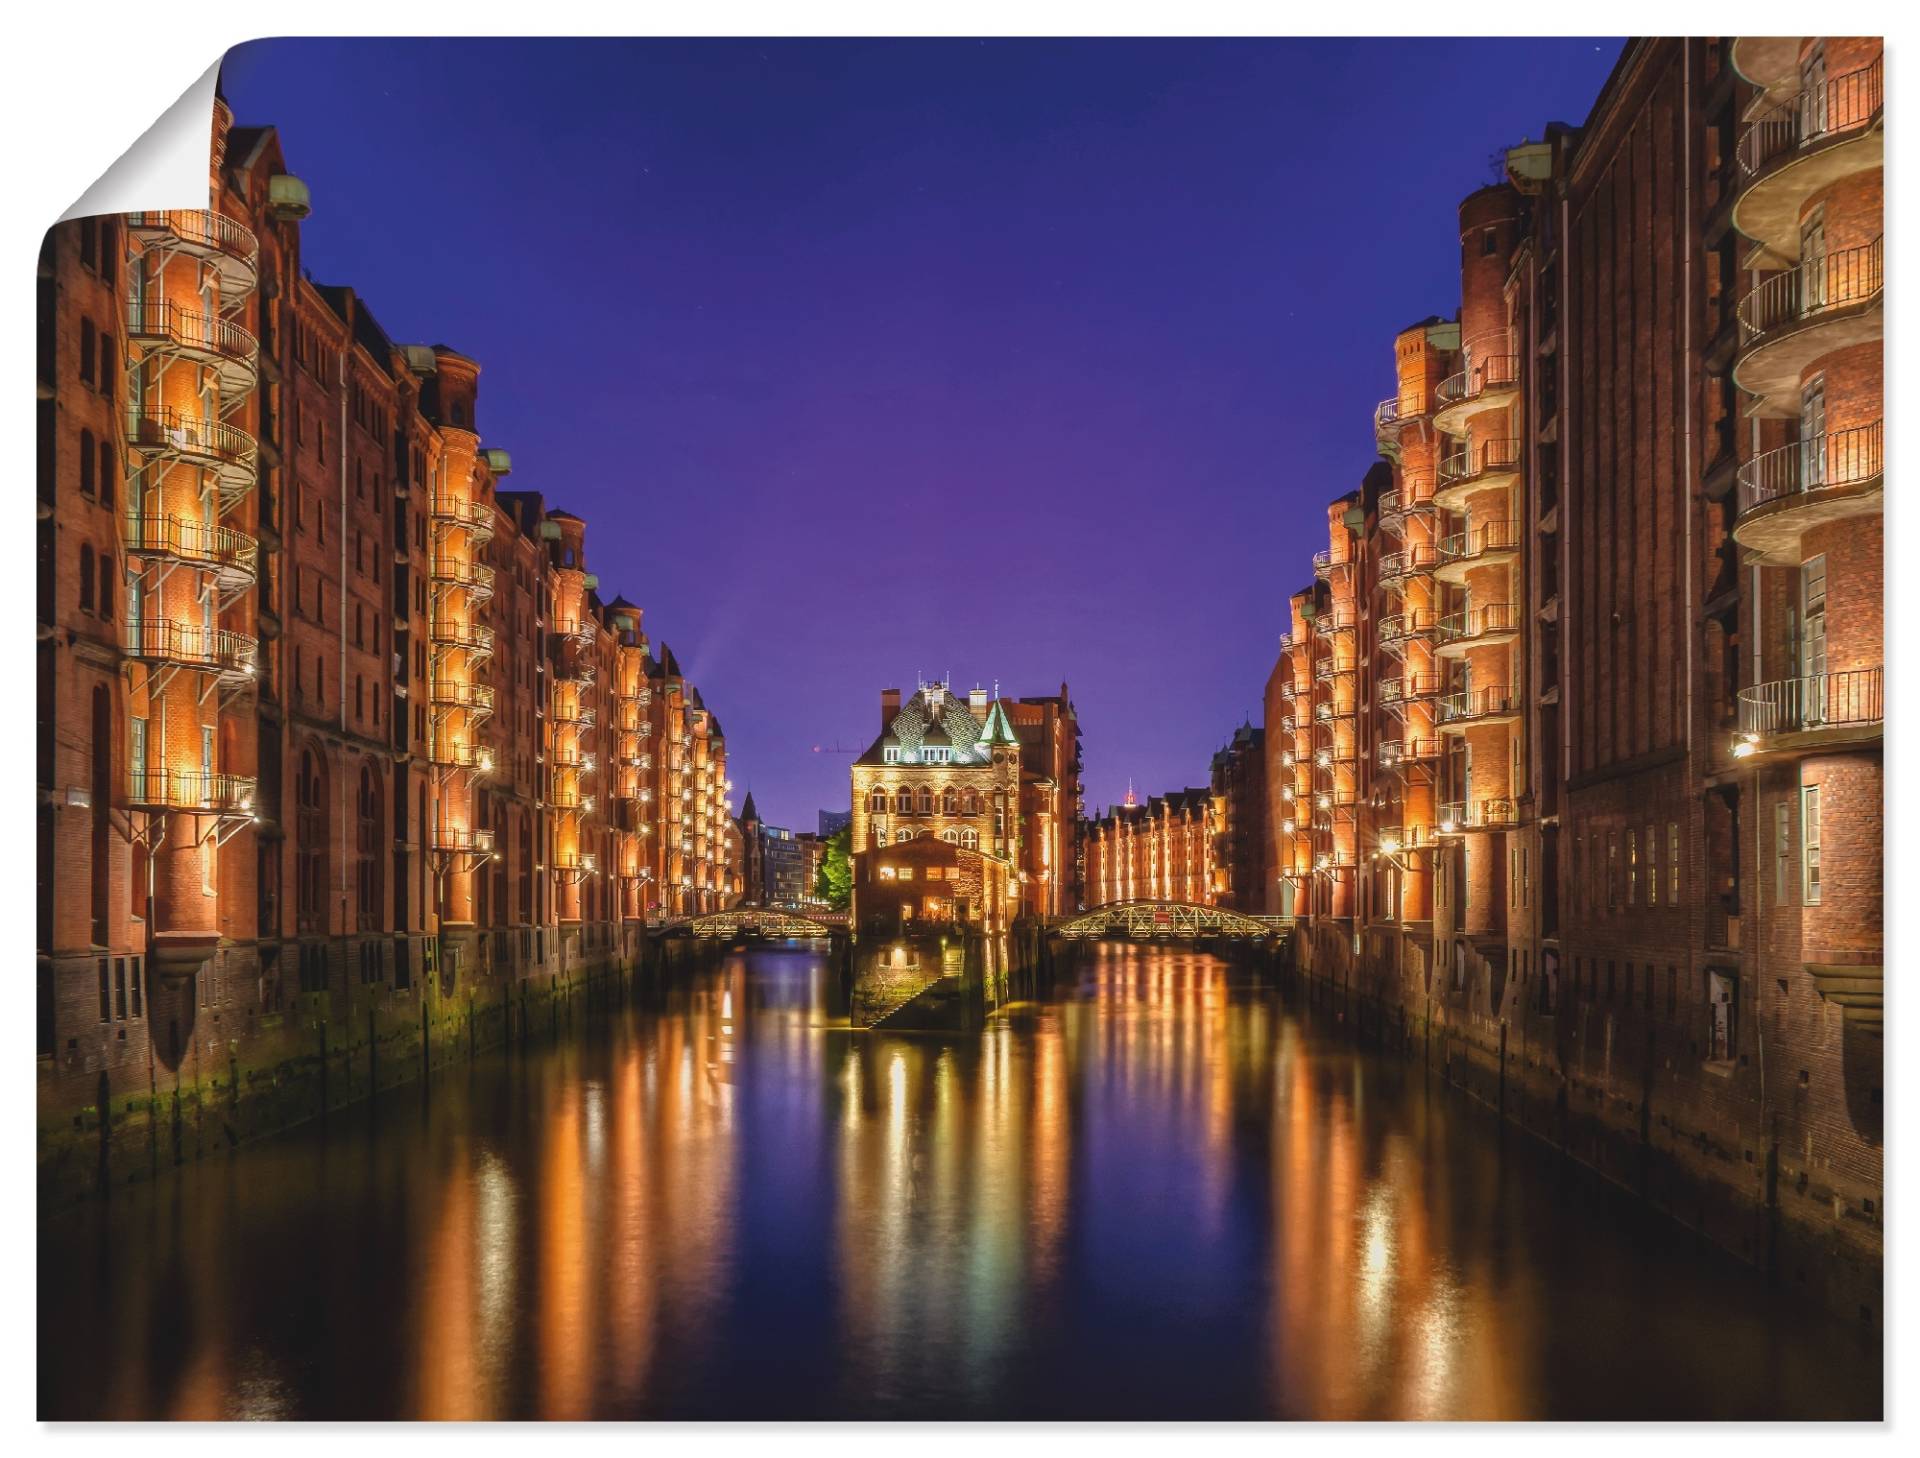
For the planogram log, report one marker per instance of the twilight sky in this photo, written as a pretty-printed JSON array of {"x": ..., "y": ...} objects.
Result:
[{"x": 865, "y": 360}]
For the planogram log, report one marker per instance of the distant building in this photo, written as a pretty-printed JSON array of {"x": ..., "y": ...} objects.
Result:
[
  {"x": 1160, "y": 851},
  {"x": 1240, "y": 858},
  {"x": 833, "y": 821}
]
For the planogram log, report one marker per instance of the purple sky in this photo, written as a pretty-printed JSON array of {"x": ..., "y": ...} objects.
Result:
[{"x": 1024, "y": 360}]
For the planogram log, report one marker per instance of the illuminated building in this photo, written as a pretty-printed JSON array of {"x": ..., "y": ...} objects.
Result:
[
  {"x": 1239, "y": 784},
  {"x": 329, "y": 724},
  {"x": 697, "y": 859},
  {"x": 1606, "y": 624},
  {"x": 1160, "y": 851}
]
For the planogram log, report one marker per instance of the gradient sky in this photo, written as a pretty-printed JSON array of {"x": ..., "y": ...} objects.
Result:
[{"x": 865, "y": 360}]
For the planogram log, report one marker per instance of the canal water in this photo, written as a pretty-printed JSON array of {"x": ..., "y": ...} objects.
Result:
[{"x": 1162, "y": 1190}]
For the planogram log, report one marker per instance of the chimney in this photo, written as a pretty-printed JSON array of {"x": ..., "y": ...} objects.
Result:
[
  {"x": 977, "y": 701},
  {"x": 889, "y": 706}
]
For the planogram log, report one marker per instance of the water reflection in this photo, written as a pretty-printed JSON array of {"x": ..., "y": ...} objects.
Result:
[{"x": 1157, "y": 1191}]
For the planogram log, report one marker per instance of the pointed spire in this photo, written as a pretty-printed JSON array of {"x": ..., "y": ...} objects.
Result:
[{"x": 999, "y": 728}]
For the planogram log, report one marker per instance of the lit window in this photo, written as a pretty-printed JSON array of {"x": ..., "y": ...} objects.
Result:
[{"x": 1810, "y": 844}]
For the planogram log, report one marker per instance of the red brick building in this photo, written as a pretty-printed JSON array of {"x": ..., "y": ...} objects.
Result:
[
  {"x": 327, "y": 722},
  {"x": 1574, "y": 745},
  {"x": 1160, "y": 851}
]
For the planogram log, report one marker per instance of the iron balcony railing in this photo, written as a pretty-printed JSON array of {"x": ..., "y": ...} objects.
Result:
[
  {"x": 201, "y": 229},
  {"x": 1414, "y": 623},
  {"x": 199, "y": 791},
  {"x": 1407, "y": 687},
  {"x": 1331, "y": 667},
  {"x": 1486, "y": 458},
  {"x": 1479, "y": 622},
  {"x": 1409, "y": 561},
  {"x": 1811, "y": 702},
  {"x": 1843, "y": 104},
  {"x": 1495, "y": 372},
  {"x": 162, "y": 428},
  {"x": 1393, "y": 412},
  {"x": 1456, "y": 815},
  {"x": 211, "y": 650},
  {"x": 1489, "y": 536},
  {"x": 1842, "y": 458},
  {"x": 1476, "y": 703},
  {"x": 1392, "y": 753},
  {"x": 1840, "y": 278},
  {"x": 192, "y": 330},
  {"x": 1339, "y": 618},
  {"x": 475, "y": 577},
  {"x": 459, "y": 694},
  {"x": 457, "y": 840},
  {"x": 473, "y": 637},
  {"x": 571, "y": 713},
  {"x": 472, "y": 756},
  {"x": 471, "y": 516},
  {"x": 196, "y": 543}
]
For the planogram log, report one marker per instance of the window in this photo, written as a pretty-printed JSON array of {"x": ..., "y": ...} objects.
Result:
[
  {"x": 926, "y": 800},
  {"x": 1782, "y": 851},
  {"x": 970, "y": 838},
  {"x": 906, "y": 873},
  {"x": 87, "y": 459},
  {"x": 903, "y": 801},
  {"x": 86, "y": 578},
  {"x": 1613, "y": 870},
  {"x": 1653, "y": 868},
  {"x": 950, "y": 801},
  {"x": 1673, "y": 863},
  {"x": 109, "y": 472},
  {"x": 1722, "y": 1009},
  {"x": 1810, "y": 845},
  {"x": 1633, "y": 867},
  {"x": 877, "y": 802},
  {"x": 902, "y": 835},
  {"x": 87, "y": 341}
]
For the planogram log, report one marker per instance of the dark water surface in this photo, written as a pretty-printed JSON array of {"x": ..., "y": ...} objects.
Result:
[{"x": 1162, "y": 1192}]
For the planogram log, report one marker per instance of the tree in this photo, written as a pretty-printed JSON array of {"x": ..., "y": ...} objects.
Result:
[{"x": 834, "y": 884}]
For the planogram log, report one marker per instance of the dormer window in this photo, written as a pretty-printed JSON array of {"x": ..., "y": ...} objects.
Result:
[{"x": 891, "y": 754}]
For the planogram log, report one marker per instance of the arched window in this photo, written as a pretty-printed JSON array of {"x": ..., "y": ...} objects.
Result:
[
  {"x": 367, "y": 844},
  {"x": 951, "y": 837},
  {"x": 903, "y": 835},
  {"x": 970, "y": 838},
  {"x": 310, "y": 885},
  {"x": 950, "y": 801},
  {"x": 86, "y": 578},
  {"x": 970, "y": 803},
  {"x": 926, "y": 800},
  {"x": 903, "y": 800},
  {"x": 877, "y": 801}
]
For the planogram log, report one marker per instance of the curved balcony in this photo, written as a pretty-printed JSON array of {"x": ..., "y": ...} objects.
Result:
[
  {"x": 473, "y": 578},
  {"x": 474, "y": 639},
  {"x": 195, "y": 791},
  {"x": 1476, "y": 627},
  {"x": 453, "y": 693},
  {"x": 1410, "y": 561},
  {"x": 475, "y": 757},
  {"x": 1415, "y": 749},
  {"x": 1791, "y": 151},
  {"x": 1792, "y": 319},
  {"x": 1331, "y": 667},
  {"x": 1771, "y": 62},
  {"x": 1810, "y": 712},
  {"x": 1785, "y": 492},
  {"x": 1486, "y": 465},
  {"x": 1486, "y": 384},
  {"x": 453, "y": 840},
  {"x": 232, "y": 557},
  {"x": 162, "y": 326},
  {"x": 1407, "y": 688},
  {"x": 1326, "y": 711},
  {"x": 1325, "y": 564},
  {"x": 1457, "y": 817},
  {"x": 1396, "y": 628},
  {"x": 456, "y": 513},
  {"x": 1339, "y": 618},
  {"x": 1391, "y": 415},
  {"x": 212, "y": 445},
  {"x": 164, "y": 641},
  {"x": 1492, "y": 704},
  {"x": 228, "y": 247},
  {"x": 1487, "y": 545}
]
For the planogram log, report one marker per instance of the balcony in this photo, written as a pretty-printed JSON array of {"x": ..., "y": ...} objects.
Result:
[
  {"x": 473, "y": 578},
  {"x": 1397, "y": 628},
  {"x": 453, "y": 693},
  {"x": 1407, "y": 688},
  {"x": 1415, "y": 749},
  {"x": 1784, "y": 492},
  {"x": 1810, "y": 712},
  {"x": 1490, "y": 383},
  {"x": 472, "y": 639},
  {"x": 1410, "y": 561},
  {"x": 1487, "y": 545},
  {"x": 1339, "y": 618},
  {"x": 458, "y": 844},
  {"x": 475, "y": 757},
  {"x": 1390, "y": 415},
  {"x": 1493, "y": 704},
  {"x": 161, "y": 326},
  {"x": 1329, "y": 668},
  {"x": 1457, "y": 817},
  {"x": 454, "y": 513},
  {"x": 232, "y": 557},
  {"x": 571, "y": 714},
  {"x": 1821, "y": 304},
  {"x": 1477, "y": 627},
  {"x": 1325, "y": 564},
  {"x": 1325, "y": 712},
  {"x": 229, "y": 248},
  {"x": 211, "y": 445},
  {"x": 194, "y": 791},
  {"x": 1487, "y": 465},
  {"x": 166, "y": 642},
  {"x": 1791, "y": 151}
]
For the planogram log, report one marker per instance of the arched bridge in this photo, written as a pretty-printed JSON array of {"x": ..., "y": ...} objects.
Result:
[
  {"x": 764, "y": 923},
  {"x": 1176, "y": 920}
]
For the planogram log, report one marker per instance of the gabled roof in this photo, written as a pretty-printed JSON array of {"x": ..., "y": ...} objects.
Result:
[{"x": 998, "y": 729}]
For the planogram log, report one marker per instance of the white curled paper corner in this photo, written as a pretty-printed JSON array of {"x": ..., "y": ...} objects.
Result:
[{"x": 166, "y": 167}]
